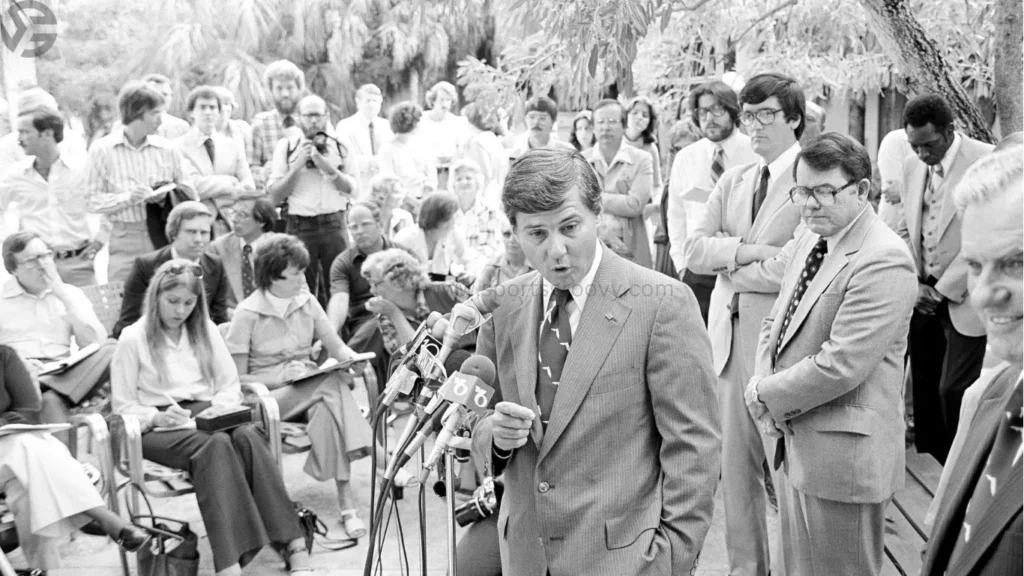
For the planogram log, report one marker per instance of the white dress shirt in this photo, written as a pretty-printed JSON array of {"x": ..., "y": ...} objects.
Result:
[
  {"x": 40, "y": 326},
  {"x": 314, "y": 192},
  {"x": 579, "y": 291},
  {"x": 56, "y": 208},
  {"x": 691, "y": 168}
]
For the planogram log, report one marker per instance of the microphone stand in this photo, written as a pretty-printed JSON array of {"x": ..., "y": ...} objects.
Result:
[{"x": 449, "y": 491}]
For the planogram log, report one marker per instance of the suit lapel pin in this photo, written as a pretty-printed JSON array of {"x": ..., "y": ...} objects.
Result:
[{"x": 609, "y": 317}]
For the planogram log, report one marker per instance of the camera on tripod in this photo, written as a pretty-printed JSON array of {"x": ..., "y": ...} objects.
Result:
[{"x": 486, "y": 500}]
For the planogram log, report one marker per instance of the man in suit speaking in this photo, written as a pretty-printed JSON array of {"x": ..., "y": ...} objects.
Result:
[
  {"x": 608, "y": 434},
  {"x": 828, "y": 378}
]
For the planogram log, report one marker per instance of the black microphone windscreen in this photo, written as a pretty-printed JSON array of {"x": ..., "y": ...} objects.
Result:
[
  {"x": 455, "y": 360},
  {"x": 481, "y": 367}
]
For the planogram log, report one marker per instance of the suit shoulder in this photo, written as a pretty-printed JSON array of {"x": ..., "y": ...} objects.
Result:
[{"x": 736, "y": 173}]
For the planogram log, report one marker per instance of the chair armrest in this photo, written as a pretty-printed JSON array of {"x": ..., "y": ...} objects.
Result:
[
  {"x": 99, "y": 442},
  {"x": 255, "y": 389},
  {"x": 258, "y": 395},
  {"x": 126, "y": 446}
]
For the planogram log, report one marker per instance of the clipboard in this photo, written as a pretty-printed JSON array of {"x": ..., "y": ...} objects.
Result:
[
  {"x": 331, "y": 365},
  {"x": 62, "y": 365}
]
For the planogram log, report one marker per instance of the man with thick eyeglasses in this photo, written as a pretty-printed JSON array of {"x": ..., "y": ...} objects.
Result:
[
  {"x": 828, "y": 376},
  {"x": 40, "y": 314},
  {"x": 947, "y": 339},
  {"x": 695, "y": 171},
  {"x": 312, "y": 174},
  {"x": 747, "y": 220}
]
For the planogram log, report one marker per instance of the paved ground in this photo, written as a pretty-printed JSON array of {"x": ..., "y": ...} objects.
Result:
[{"x": 95, "y": 556}]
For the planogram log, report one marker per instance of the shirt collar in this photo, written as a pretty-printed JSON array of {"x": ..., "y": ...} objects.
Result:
[
  {"x": 833, "y": 240},
  {"x": 121, "y": 138},
  {"x": 782, "y": 163},
  {"x": 730, "y": 146},
  {"x": 182, "y": 344},
  {"x": 954, "y": 149},
  {"x": 581, "y": 290},
  {"x": 197, "y": 138},
  {"x": 174, "y": 254},
  {"x": 259, "y": 303},
  {"x": 13, "y": 289}
]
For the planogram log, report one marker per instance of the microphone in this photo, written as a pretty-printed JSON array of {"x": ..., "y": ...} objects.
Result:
[
  {"x": 423, "y": 400},
  {"x": 476, "y": 373},
  {"x": 471, "y": 387},
  {"x": 425, "y": 329},
  {"x": 404, "y": 377},
  {"x": 464, "y": 319}
]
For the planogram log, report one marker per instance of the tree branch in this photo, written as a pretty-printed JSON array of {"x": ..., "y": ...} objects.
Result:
[
  {"x": 763, "y": 17},
  {"x": 684, "y": 7}
]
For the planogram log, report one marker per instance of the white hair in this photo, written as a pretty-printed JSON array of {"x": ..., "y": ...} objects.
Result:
[{"x": 998, "y": 173}]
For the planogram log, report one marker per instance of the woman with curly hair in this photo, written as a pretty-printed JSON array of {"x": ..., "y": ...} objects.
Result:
[
  {"x": 405, "y": 156},
  {"x": 387, "y": 193},
  {"x": 642, "y": 133}
]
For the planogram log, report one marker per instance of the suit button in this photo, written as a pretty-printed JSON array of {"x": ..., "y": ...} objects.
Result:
[{"x": 543, "y": 487}]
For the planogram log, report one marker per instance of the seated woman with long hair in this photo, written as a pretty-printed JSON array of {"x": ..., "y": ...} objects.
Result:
[
  {"x": 171, "y": 365},
  {"x": 271, "y": 339},
  {"x": 47, "y": 491}
]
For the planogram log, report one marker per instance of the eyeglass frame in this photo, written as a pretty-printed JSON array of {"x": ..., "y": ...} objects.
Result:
[
  {"x": 703, "y": 113},
  {"x": 747, "y": 117},
  {"x": 813, "y": 192},
  {"x": 37, "y": 260}
]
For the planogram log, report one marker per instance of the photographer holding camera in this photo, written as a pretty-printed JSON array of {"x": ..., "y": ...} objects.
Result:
[{"x": 311, "y": 174}]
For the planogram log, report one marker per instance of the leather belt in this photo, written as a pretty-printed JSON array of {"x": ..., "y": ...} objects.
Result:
[
  {"x": 65, "y": 254},
  {"x": 319, "y": 218}
]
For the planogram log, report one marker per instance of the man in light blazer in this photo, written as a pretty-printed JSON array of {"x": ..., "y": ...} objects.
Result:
[
  {"x": 610, "y": 464},
  {"x": 365, "y": 133},
  {"x": 747, "y": 219},
  {"x": 829, "y": 369},
  {"x": 947, "y": 339},
  {"x": 251, "y": 218},
  {"x": 978, "y": 529},
  {"x": 221, "y": 165}
]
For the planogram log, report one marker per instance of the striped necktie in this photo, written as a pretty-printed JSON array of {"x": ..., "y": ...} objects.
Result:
[{"x": 717, "y": 165}]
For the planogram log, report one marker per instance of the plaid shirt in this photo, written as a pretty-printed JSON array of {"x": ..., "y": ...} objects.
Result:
[
  {"x": 267, "y": 129},
  {"x": 480, "y": 228},
  {"x": 441, "y": 295}
]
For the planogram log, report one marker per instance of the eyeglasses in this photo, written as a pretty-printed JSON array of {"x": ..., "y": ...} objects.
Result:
[
  {"x": 717, "y": 111},
  {"x": 37, "y": 260},
  {"x": 824, "y": 195},
  {"x": 313, "y": 116},
  {"x": 178, "y": 268},
  {"x": 765, "y": 117}
]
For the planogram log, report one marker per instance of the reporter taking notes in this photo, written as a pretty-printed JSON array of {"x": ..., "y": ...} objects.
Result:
[{"x": 608, "y": 432}]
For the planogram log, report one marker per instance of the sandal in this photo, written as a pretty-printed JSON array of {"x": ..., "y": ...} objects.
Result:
[
  {"x": 287, "y": 553},
  {"x": 352, "y": 524}
]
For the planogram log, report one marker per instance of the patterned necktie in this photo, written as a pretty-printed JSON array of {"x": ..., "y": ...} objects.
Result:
[
  {"x": 761, "y": 192},
  {"x": 1004, "y": 455},
  {"x": 717, "y": 165},
  {"x": 208, "y": 144},
  {"x": 248, "y": 284},
  {"x": 553, "y": 348},
  {"x": 934, "y": 172},
  {"x": 288, "y": 122},
  {"x": 373, "y": 140},
  {"x": 811, "y": 266}
]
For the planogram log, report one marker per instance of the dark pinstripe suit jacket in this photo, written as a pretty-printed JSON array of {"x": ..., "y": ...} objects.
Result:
[
  {"x": 622, "y": 481},
  {"x": 996, "y": 545}
]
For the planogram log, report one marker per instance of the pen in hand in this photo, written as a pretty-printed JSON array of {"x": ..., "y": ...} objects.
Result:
[{"x": 176, "y": 410}]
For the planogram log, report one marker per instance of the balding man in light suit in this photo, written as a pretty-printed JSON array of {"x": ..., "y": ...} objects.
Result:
[
  {"x": 747, "y": 220},
  {"x": 829, "y": 369},
  {"x": 608, "y": 429}
]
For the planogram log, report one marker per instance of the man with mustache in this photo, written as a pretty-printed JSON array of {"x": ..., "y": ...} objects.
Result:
[
  {"x": 540, "y": 117},
  {"x": 286, "y": 84}
]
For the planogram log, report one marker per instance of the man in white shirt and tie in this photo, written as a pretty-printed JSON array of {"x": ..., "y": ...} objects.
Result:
[
  {"x": 365, "y": 133},
  {"x": 697, "y": 168},
  {"x": 221, "y": 165}
]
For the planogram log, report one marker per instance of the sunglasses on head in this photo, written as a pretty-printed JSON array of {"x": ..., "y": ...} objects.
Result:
[{"x": 178, "y": 268}]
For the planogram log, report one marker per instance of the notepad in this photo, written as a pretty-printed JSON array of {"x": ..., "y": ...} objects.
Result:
[{"x": 62, "y": 365}]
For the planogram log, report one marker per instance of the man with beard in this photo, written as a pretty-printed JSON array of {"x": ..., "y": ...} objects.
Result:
[
  {"x": 286, "y": 84},
  {"x": 312, "y": 178},
  {"x": 697, "y": 168},
  {"x": 540, "y": 116},
  {"x": 349, "y": 289},
  {"x": 747, "y": 220},
  {"x": 365, "y": 133}
]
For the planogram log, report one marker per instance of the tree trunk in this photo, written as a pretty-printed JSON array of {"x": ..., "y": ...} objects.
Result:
[
  {"x": 1009, "y": 66},
  {"x": 902, "y": 36}
]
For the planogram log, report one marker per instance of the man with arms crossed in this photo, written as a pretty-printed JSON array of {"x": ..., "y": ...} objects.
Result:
[
  {"x": 608, "y": 432},
  {"x": 829, "y": 369},
  {"x": 747, "y": 219}
]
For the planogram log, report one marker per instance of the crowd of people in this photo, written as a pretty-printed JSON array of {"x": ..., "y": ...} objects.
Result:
[{"x": 849, "y": 307}]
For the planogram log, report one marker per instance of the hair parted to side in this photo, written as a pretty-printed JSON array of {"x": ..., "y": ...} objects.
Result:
[
  {"x": 993, "y": 175},
  {"x": 542, "y": 179},
  {"x": 15, "y": 244},
  {"x": 725, "y": 95},
  {"x": 204, "y": 91},
  {"x": 44, "y": 119},
  {"x": 436, "y": 90},
  {"x": 928, "y": 109},
  {"x": 186, "y": 210},
  {"x": 405, "y": 116},
  {"x": 136, "y": 99},
  {"x": 172, "y": 275},
  {"x": 396, "y": 266},
  {"x": 438, "y": 208},
  {"x": 274, "y": 253},
  {"x": 283, "y": 71},
  {"x": 226, "y": 96},
  {"x": 834, "y": 150},
  {"x": 542, "y": 104},
  {"x": 787, "y": 90},
  {"x": 650, "y": 134}
]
